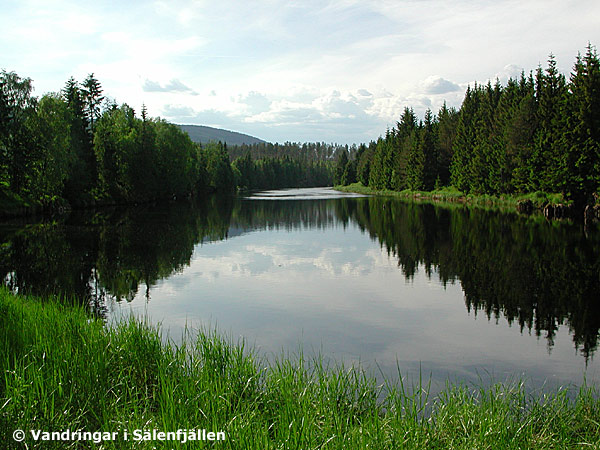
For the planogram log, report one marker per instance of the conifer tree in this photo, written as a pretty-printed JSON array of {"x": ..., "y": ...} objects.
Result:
[
  {"x": 447, "y": 122},
  {"x": 428, "y": 142},
  {"x": 377, "y": 173},
  {"x": 582, "y": 159},
  {"x": 401, "y": 146},
  {"x": 83, "y": 171},
  {"x": 547, "y": 161},
  {"x": 363, "y": 168},
  {"x": 465, "y": 141},
  {"x": 92, "y": 96},
  {"x": 340, "y": 166}
]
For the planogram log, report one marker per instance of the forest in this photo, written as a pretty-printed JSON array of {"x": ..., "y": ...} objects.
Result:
[
  {"x": 79, "y": 148},
  {"x": 539, "y": 132},
  {"x": 273, "y": 166}
]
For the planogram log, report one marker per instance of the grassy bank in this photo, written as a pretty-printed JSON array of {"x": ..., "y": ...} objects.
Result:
[
  {"x": 62, "y": 370},
  {"x": 450, "y": 195}
]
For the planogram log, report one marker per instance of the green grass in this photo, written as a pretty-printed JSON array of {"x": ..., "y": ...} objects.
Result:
[
  {"x": 451, "y": 195},
  {"x": 62, "y": 370}
]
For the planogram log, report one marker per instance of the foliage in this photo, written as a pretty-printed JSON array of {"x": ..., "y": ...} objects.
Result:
[
  {"x": 537, "y": 133},
  {"x": 69, "y": 147},
  {"x": 309, "y": 151},
  {"x": 65, "y": 146},
  {"x": 218, "y": 169},
  {"x": 64, "y": 371},
  {"x": 282, "y": 172}
]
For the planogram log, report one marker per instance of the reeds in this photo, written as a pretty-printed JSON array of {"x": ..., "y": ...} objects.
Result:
[{"x": 62, "y": 370}]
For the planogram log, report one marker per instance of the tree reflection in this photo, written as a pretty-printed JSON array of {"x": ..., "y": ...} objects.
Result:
[{"x": 530, "y": 272}]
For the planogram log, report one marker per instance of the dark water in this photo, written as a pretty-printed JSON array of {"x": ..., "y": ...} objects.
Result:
[{"x": 454, "y": 293}]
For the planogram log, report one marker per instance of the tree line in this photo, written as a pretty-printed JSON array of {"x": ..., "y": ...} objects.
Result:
[
  {"x": 271, "y": 166},
  {"x": 308, "y": 151},
  {"x": 78, "y": 146},
  {"x": 280, "y": 172},
  {"x": 539, "y": 132}
]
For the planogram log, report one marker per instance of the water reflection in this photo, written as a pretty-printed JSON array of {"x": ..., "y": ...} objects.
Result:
[
  {"x": 537, "y": 274},
  {"x": 365, "y": 278},
  {"x": 109, "y": 254}
]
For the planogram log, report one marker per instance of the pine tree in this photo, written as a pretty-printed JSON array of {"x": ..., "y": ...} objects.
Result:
[
  {"x": 460, "y": 170},
  {"x": 582, "y": 161},
  {"x": 83, "y": 171},
  {"x": 92, "y": 96},
  {"x": 548, "y": 167},
  {"x": 447, "y": 121}
]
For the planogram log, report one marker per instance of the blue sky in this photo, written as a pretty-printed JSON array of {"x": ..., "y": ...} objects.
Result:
[{"x": 333, "y": 71}]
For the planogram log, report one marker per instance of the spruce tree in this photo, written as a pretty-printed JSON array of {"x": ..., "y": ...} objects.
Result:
[
  {"x": 582, "y": 159},
  {"x": 447, "y": 121},
  {"x": 465, "y": 141},
  {"x": 83, "y": 171},
  {"x": 548, "y": 162},
  {"x": 401, "y": 146},
  {"x": 92, "y": 96}
]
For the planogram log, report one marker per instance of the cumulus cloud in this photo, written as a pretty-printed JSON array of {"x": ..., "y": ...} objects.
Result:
[
  {"x": 438, "y": 85},
  {"x": 509, "y": 71},
  {"x": 172, "y": 86},
  {"x": 255, "y": 102},
  {"x": 178, "y": 111},
  {"x": 327, "y": 115}
]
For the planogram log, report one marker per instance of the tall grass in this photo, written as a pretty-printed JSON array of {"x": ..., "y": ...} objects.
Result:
[{"x": 62, "y": 370}]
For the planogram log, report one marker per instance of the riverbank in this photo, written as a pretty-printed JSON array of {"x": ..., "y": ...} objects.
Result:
[
  {"x": 540, "y": 202},
  {"x": 65, "y": 371}
]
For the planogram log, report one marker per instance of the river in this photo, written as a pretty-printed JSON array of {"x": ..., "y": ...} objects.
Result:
[{"x": 404, "y": 289}]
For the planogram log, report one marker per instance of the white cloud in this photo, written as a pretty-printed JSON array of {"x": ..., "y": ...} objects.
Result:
[
  {"x": 438, "y": 85},
  {"x": 172, "y": 86},
  {"x": 273, "y": 66},
  {"x": 255, "y": 102},
  {"x": 511, "y": 71}
]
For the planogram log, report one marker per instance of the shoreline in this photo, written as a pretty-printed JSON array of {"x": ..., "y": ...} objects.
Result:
[
  {"x": 551, "y": 206},
  {"x": 66, "y": 370}
]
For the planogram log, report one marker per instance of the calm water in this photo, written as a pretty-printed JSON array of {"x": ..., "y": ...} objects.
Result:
[{"x": 450, "y": 293}]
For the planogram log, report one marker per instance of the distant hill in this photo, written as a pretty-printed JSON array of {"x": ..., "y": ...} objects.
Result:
[{"x": 202, "y": 134}]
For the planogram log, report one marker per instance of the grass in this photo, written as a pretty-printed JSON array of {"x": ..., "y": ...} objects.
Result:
[
  {"x": 62, "y": 370},
  {"x": 451, "y": 195}
]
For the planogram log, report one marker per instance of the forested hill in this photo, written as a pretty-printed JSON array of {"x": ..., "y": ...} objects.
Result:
[{"x": 202, "y": 135}]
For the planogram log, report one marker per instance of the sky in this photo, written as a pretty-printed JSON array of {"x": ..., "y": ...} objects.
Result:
[{"x": 339, "y": 71}]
